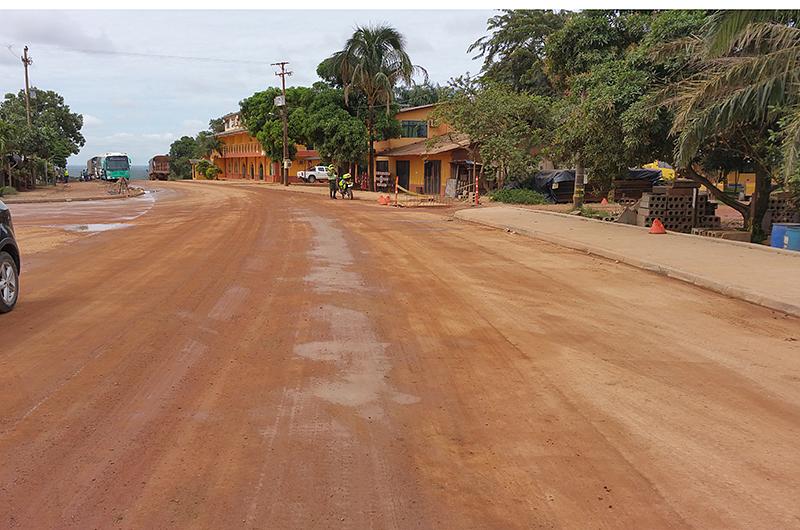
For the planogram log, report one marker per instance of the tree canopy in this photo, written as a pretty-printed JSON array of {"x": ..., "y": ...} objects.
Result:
[{"x": 55, "y": 131}]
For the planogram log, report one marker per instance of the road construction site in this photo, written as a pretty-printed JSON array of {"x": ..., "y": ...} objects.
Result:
[{"x": 217, "y": 355}]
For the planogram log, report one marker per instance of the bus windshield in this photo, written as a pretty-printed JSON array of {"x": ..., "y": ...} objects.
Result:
[{"x": 117, "y": 163}]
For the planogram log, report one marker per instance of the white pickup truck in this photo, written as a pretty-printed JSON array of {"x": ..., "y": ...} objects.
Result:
[{"x": 314, "y": 174}]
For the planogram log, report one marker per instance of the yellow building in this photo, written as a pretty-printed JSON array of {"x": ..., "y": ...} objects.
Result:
[
  {"x": 425, "y": 156},
  {"x": 242, "y": 157}
]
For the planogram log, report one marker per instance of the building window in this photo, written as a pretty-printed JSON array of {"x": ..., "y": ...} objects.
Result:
[
  {"x": 382, "y": 166},
  {"x": 414, "y": 129}
]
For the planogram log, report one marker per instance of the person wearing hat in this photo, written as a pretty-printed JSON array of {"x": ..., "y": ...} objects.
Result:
[{"x": 332, "y": 180}]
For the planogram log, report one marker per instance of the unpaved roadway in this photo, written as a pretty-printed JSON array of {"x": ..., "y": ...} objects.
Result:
[{"x": 242, "y": 357}]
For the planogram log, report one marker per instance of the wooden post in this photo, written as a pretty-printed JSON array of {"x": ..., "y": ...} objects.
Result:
[
  {"x": 475, "y": 174},
  {"x": 396, "y": 184}
]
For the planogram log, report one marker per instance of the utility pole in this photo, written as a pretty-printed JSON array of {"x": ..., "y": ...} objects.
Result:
[
  {"x": 27, "y": 61},
  {"x": 285, "y": 115}
]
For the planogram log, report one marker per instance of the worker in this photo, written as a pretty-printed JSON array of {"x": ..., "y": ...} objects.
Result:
[
  {"x": 66, "y": 176},
  {"x": 332, "y": 181}
]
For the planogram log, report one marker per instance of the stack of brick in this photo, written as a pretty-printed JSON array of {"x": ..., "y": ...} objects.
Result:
[
  {"x": 673, "y": 206},
  {"x": 782, "y": 209}
]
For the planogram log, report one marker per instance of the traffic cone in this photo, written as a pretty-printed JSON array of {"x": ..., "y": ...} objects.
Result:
[
  {"x": 604, "y": 201},
  {"x": 658, "y": 227}
]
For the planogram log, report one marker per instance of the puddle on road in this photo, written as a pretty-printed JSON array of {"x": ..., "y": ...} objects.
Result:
[{"x": 93, "y": 227}]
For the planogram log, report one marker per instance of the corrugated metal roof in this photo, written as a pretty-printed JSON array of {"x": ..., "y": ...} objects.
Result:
[{"x": 438, "y": 144}]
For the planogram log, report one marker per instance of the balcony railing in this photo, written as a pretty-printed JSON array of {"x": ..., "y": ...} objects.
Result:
[{"x": 242, "y": 150}]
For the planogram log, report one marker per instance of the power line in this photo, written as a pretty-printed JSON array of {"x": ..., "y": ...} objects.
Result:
[{"x": 150, "y": 55}]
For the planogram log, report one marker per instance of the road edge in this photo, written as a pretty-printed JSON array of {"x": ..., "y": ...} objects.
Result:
[
  {"x": 67, "y": 199},
  {"x": 670, "y": 272}
]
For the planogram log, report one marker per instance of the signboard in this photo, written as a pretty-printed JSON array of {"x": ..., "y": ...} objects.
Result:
[{"x": 279, "y": 101}]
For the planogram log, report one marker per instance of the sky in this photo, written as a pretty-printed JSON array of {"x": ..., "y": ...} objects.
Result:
[{"x": 140, "y": 105}]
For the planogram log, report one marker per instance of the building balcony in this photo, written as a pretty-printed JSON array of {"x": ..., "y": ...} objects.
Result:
[{"x": 242, "y": 150}]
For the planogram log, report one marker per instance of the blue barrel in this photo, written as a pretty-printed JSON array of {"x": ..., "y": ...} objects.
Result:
[
  {"x": 791, "y": 239},
  {"x": 778, "y": 231}
]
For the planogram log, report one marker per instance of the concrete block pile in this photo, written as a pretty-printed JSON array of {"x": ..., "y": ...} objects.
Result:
[
  {"x": 675, "y": 208},
  {"x": 782, "y": 209}
]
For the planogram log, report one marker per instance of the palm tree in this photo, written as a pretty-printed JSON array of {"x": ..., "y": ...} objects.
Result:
[
  {"x": 373, "y": 62},
  {"x": 747, "y": 82}
]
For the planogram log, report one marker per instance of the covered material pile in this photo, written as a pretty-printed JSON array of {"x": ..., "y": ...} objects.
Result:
[{"x": 558, "y": 185}]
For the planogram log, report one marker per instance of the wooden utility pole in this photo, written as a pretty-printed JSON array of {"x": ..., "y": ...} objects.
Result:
[
  {"x": 285, "y": 115},
  {"x": 578, "y": 194},
  {"x": 26, "y": 62}
]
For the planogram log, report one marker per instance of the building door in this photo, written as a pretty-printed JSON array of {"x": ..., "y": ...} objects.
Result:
[
  {"x": 433, "y": 177},
  {"x": 403, "y": 169}
]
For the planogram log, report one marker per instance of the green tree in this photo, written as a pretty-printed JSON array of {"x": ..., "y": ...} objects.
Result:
[
  {"x": 216, "y": 125},
  {"x": 263, "y": 119},
  {"x": 180, "y": 152},
  {"x": 604, "y": 64},
  {"x": 503, "y": 126},
  {"x": 513, "y": 52},
  {"x": 746, "y": 94},
  {"x": 206, "y": 144},
  {"x": 332, "y": 128},
  {"x": 55, "y": 131},
  {"x": 418, "y": 95},
  {"x": 373, "y": 62}
]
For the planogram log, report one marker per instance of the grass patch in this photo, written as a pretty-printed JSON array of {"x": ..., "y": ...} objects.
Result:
[
  {"x": 7, "y": 190},
  {"x": 588, "y": 211},
  {"x": 519, "y": 196}
]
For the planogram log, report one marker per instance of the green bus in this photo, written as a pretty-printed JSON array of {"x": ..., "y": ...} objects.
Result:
[{"x": 114, "y": 166}]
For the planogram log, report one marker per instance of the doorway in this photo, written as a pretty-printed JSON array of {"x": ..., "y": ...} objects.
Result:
[
  {"x": 433, "y": 177},
  {"x": 403, "y": 170}
]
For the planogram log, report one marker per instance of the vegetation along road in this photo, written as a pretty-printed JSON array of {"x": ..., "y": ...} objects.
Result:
[{"x": 233, "y": 356}]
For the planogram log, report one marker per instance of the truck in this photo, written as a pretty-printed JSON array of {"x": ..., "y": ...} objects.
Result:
[
  {"x": 158, "y": 167},
  {"x": 314, "y": 174},
  {"x": 93, "y": 168},
  {"x": 110, "y": 166}
]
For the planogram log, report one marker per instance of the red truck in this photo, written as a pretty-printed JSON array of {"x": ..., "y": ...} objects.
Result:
[{"x": 158, "y": 168}]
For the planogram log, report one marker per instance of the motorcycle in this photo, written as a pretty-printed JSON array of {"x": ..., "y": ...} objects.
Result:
[{"x": 346, "y": 188}]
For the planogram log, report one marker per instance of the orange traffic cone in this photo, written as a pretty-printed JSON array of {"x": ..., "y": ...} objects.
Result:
[{"x": 658, "y": 227}]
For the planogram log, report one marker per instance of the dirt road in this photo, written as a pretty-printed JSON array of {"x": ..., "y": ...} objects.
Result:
[{"x": 234, "y": 356}]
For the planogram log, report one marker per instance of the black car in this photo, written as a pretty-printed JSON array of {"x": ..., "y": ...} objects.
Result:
[{"x": 9, "y": 262}]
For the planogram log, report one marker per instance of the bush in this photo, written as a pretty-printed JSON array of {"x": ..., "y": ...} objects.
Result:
[
  {"x": 7, "y": 190},
  {"x": 519, "y": 196}
]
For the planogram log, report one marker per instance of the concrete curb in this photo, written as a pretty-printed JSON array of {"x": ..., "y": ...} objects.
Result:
[
  {"x": 67, "y": 199},
  {"x": 743, "y": 244},
  {"x": 671, "y": 272}
]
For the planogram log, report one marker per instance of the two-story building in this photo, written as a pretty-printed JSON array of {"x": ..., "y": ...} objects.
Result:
[
  {"x": 242, "y": 157},
  {"x": 426, "y": 155}
]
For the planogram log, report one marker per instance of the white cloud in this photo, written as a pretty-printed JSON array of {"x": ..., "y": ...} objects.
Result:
[
  {"x": 91, "y": 121},
  {"x": 132, "y": 96}
]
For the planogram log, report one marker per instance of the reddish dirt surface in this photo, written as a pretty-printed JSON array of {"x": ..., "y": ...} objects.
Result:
[{"x": 242, "y": 357}]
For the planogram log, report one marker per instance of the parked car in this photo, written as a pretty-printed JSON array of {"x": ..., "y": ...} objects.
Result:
[
  {"x": 314, "y": 174},
  {"x": 9, "y": 262}
]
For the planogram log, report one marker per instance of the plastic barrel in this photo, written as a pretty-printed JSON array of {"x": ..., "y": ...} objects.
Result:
[
  {"x": 791, "y": 239},
  {"x": 778, "y": 231}
]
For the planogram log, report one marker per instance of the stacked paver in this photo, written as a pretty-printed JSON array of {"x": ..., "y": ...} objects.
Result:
[{"x": 674, "y": 207}]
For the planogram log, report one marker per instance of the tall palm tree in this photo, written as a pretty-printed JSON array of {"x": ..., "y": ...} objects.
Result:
[
  {"x": 373, "y": 62},
  {"x": 747, "y": 78}
]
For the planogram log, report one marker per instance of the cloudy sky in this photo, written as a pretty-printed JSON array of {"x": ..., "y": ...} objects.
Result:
[{"x": 140, "y": 104}]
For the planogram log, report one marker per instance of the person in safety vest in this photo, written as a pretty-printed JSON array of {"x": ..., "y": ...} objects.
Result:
[{"x": 332, "y": 179}]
